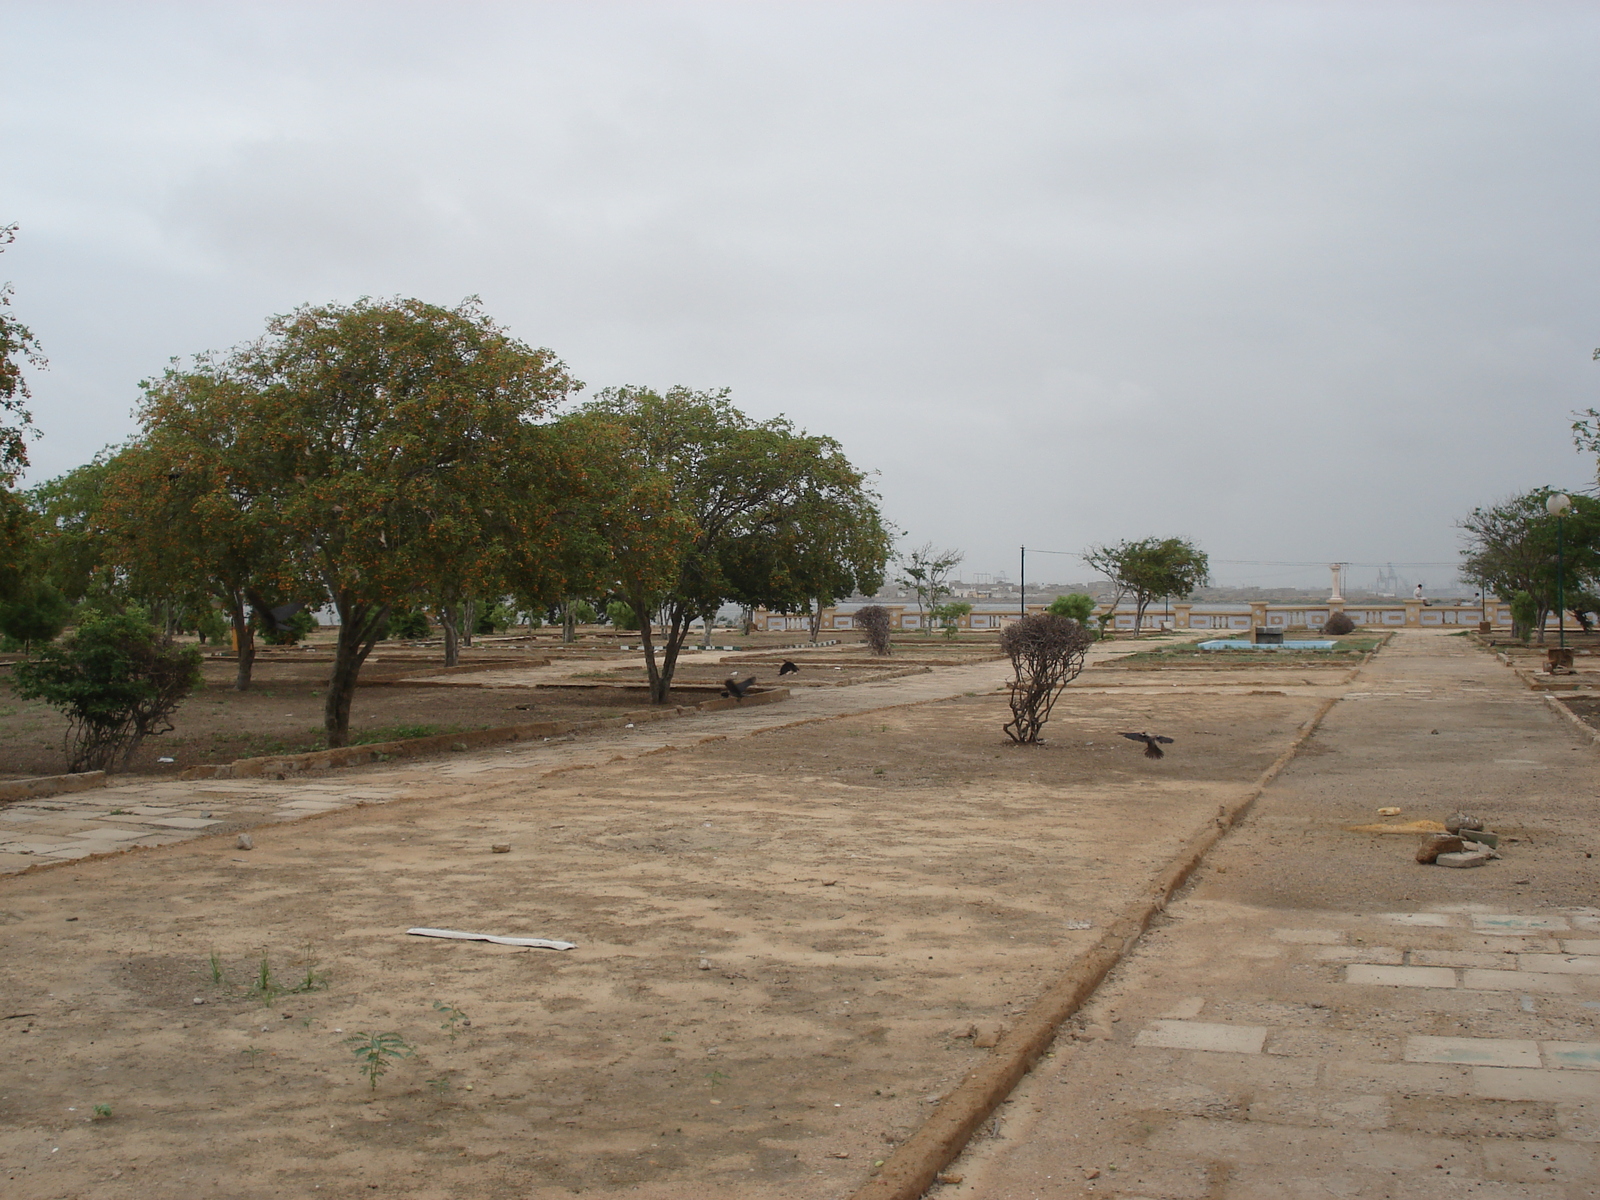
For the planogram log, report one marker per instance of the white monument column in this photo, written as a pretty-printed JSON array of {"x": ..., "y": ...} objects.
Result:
[{"x": 1338, "y": 570}]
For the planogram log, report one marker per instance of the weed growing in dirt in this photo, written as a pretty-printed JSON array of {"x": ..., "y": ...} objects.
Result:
[
  {"x": 254, "y": 1052},
  {"x": 439, "y": 1086},
  {"x": 102, "y": 1112},
  {"x": 454, "y": 1019},
  {"x": 376, "y": 1053},
  {"x": 265, "y": 984}
]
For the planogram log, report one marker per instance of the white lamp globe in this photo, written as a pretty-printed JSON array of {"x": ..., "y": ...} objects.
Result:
[{"x": 1558, "y": 504}]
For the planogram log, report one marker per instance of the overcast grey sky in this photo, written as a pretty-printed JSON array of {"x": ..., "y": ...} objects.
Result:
[{"x": 1299, "y": 281}]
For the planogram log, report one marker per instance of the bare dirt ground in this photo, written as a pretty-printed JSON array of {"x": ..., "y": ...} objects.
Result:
[
  {"x": 282, "y": 713},
  {"x": 783, "y": 941}
]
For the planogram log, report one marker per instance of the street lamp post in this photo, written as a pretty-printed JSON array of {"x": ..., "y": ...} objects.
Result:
[{"x": 1557, "y": 506}]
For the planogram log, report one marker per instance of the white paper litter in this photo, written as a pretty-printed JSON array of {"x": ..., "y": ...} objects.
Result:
[{"x": 536, "y": 943}]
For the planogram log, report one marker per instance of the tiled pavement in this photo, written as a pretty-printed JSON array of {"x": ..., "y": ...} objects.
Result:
[
  {"x": 1264, "y": 1043},
  {"x": 1430, "y": 1054}
]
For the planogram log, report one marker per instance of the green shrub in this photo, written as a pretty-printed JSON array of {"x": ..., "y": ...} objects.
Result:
[
  {"x": 1076, "y": 605},
  {"x": 407, "y": 624},
  {"x": 37, "y": 613},
  {"x": 298, "y": 626},
  {"x": 583, "y": 613},
  {"x": 212, "y": 626},
  {"x": 1524, "y": 615},
  {"x": 118, "y": 680},
  {"x": 621, "y": 615},
  {"x": 495, "y": 618}
]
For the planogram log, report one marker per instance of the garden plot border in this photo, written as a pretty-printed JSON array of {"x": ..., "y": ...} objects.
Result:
[{"x": 281, "y": 765}]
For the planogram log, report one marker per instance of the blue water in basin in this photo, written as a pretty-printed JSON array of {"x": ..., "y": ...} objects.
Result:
[{"x": 1243, "y": 644}]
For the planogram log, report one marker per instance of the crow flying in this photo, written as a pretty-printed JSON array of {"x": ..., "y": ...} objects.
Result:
[
  {"x": 736, "y": 689},
  {"x": 788, "y": 668},
  {"x": 1151, "y": 749}
]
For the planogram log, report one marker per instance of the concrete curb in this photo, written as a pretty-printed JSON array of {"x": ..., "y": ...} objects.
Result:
[
  {"x": 49, "y": 785},
  {"x": 912, "y": 1168},
  {"x": 1577, "y": 722}
]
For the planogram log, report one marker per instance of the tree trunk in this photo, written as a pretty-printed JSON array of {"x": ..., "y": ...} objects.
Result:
[
  {"x": 469, "y": 621},
  {"x": 661, "y": 671},
  {"x": 708, "y": 618},
  {"x": 816, "y": 619},
  {"x": 246, "y": 639},
  {"x": 452, "y": 640},
  {"x": 360, "y": 626}
]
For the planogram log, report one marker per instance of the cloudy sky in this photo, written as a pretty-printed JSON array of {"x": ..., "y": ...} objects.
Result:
[{"x": 1301, "y": 282}]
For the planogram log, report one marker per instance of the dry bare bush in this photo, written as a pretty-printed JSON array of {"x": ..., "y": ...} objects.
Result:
[
  {"x": 1046, "y": 653},
  {"x": 1339, "y": 624},
  {"x": 873, "y": 621}
]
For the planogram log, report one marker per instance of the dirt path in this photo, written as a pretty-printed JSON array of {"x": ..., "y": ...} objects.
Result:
[
  {"x": 796, "y": 927},
  {"x": 1321, "y": 1016}
]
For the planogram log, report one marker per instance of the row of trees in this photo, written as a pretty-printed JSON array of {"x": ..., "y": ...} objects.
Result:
[{"x": 389, "y": 455}]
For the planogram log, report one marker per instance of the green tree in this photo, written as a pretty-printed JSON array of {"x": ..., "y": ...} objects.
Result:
[
  {"x": 1150, "y": 569},
  {"x": 1511, "y": 546},
  {"x": 117, "y": 679},
  {"x": 832, "y": 543},
  {"x": 927, "y": 573},
  {"x": 397, "y": 445},
  {"x": 35, "y": 613},
  {"x": 186, "y": 509},
  {"x": 620, "y": 615},
  {"x": 703, "y": 506},
  {"x": 18, "y": 346},
  {"x": 949, "y": 615},
  {"x": 1077, "y": 605}
]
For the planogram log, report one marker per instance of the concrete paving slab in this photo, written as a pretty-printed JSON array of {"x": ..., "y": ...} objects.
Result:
[
  {"x": 1560, "y": 964},
  {"x": 1414, "y": 977},
  {"x": 1517, "y": 981},
  {"x": 1513, "y": 923},
  {"x": 1479, "y": 1052},
  {"x": 1515, "y": 1083},
  {"x": 1202, "y": 1035},
  {"x": 1573, "y": 1056}
]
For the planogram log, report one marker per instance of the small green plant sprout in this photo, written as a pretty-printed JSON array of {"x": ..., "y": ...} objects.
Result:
[
  {"x": 716, "y": 1078},
  {"x": 454, "y": 1019},
  {"x": 216, "y": 969},
  {"x": 102, "y": 1112},
  {"x": 254, "y": 1052},
  {"x": 314, "y": 980},
  {"x": 440, "y": 1086},
  {"x": 264, "y": 987},
  {"x": 375, "y": 1053}
]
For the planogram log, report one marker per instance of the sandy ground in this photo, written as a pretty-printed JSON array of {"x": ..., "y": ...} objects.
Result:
[{"x": 784, "y": 943}]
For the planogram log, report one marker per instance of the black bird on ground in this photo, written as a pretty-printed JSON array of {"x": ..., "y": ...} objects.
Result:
[
  {"x": 732, "y": 687},
  {"x": 1150, "y": 740},
  {"x": 788, "y": 668}
]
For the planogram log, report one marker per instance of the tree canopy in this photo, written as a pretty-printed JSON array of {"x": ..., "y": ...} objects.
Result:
[
  {"x": 705, "y": 506},
  {"x": 1511, "y": 547},
  {"x": 1150, "y": 569},
  {"x": 18, "y": 346},
  {"x": 927, "y": 572}
]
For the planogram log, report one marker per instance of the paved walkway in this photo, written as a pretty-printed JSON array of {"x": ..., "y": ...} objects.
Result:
[{"x": 1320, "y": 1016}]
